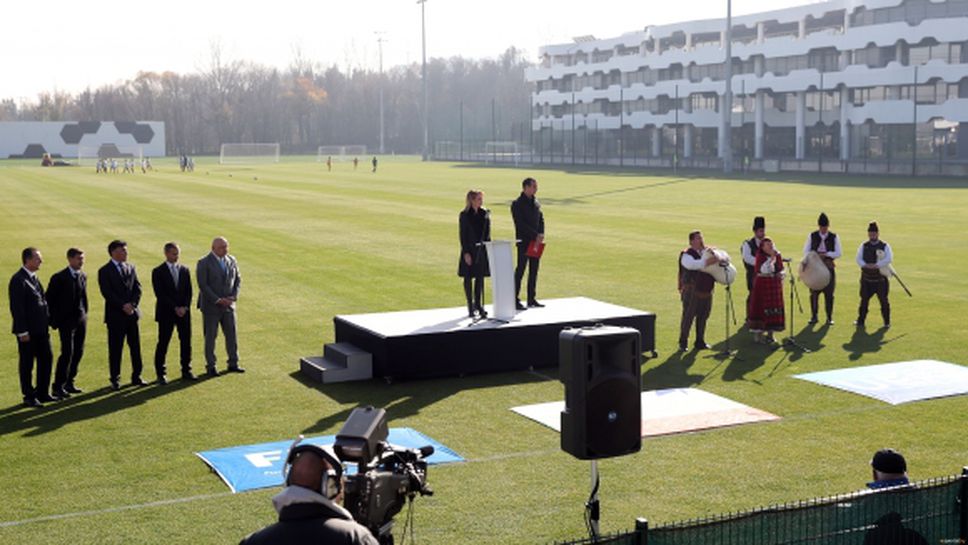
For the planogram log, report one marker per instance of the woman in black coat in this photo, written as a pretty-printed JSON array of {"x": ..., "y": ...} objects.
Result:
[{"x": 475, "y": 229}]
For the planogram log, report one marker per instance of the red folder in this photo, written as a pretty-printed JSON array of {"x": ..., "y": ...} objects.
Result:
[{"x": 535, "y": 249}]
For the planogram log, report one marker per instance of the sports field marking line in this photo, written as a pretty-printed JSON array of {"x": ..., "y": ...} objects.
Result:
[
  {"x": 159, "y": 503},
  {"x": 486, "y": 459}
]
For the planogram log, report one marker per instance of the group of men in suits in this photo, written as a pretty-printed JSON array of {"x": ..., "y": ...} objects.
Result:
[{"x": 64, "y": 307}]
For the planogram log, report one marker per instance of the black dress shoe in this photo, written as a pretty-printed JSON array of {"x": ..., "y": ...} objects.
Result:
[
  {"x": 481, "y": 312},
  {"x": 518, "y": 305},
  {"x": 812, "y": 320},
  {"x": 702, "y": 346},
  {"x": 534, "y": 304},
  {"x": 236, "y": 369},
  {"x": 136, "y": 381},
  {"x": 47, "y": 398},
  {"x": 71, "y": 389},
  {"x": 211, "y": 372},
  {"x": 115, "y": 385},
  {"x": 162, "y": 380},
  {"x": 31, "y": 402},
  {"x": 188, "y": 375},
  {"x": 62, "y": 393}
]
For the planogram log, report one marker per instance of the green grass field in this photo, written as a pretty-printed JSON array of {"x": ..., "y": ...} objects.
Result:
[{"x": 120, "y": 467}]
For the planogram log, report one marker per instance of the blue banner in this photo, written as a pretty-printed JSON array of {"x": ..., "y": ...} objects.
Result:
[{"x": 250, "y": 467}]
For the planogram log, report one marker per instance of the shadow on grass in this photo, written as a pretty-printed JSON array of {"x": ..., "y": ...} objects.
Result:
[
  {"x": 80, "y": 407},
  {"x": 862, "y": 342},
  {"x": 580, "y": 199},
  {"x": 403, "y": 399},
  {"x": 806, "y": 178},
  {"x": 673, "y": 372}
]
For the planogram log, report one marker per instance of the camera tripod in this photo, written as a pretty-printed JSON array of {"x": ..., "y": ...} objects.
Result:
[{"x": 791, "y": 341}]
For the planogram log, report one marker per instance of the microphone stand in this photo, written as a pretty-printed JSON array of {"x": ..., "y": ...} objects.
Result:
[
  {"x": 791, "y": 340},
  {"x": 726, "y": 352}
]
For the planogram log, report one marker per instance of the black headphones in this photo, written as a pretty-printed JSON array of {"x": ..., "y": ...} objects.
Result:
[{"x": 332, "y": 482}]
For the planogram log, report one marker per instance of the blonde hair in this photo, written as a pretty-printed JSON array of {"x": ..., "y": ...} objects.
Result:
[{"x": 471, "y": 195}]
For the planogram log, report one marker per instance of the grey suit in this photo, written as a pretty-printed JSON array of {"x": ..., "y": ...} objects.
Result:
[{"x": 214, "y": 283}]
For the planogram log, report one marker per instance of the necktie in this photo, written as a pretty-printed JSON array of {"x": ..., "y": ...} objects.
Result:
[
  {"x": 221, "y": 263},
  {"x": 174, "y": 273}
]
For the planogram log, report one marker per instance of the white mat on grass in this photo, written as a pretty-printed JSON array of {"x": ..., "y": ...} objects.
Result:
[
  {"x": 896, "y": 383},
  {"x": 675, "y": 410}
]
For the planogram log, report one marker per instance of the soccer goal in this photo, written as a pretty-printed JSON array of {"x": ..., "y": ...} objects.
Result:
[
  {"x": 239, "y": 154},
  {"x": 340, "y": 153},
  {"x": 88, "y": 155},
  {"x": 502, "y": 152}
]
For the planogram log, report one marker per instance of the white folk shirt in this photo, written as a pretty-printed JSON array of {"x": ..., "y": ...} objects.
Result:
[
  {"x": 822, "y": 249},
  {"x": 883, "y": 262},
  {"x": 690, "y": 263}
]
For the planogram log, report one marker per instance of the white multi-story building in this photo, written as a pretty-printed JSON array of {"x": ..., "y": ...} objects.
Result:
[{"x": 880, "y": 85}]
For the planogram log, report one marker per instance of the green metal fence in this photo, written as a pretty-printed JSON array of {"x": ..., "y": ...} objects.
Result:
[{"x": 927, "y": 512}]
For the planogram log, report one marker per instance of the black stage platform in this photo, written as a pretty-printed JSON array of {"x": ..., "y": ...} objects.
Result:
[{"x": 445, "y": 342}]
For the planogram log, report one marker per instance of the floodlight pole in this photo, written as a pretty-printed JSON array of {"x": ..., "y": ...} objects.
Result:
[
  {"x": 379, "y": 41},
  {"x": 727, "y": 139},
  {"x": 423, "y": 38}
]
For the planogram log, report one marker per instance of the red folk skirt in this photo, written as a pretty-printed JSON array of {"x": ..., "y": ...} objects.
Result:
[{"x": 766, "y": 312}]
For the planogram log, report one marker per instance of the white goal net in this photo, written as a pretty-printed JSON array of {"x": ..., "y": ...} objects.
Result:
[
  {"x": 501, "y": 152},
  {"x": 240, "y": 154},
  {"x": 340, "y": 153}
]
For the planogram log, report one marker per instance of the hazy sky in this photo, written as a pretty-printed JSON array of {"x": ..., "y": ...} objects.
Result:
[{"x": 72, "y": 45}]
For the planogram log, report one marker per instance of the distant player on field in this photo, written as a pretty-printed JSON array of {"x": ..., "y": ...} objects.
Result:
[{"x": 374, "y": 163}]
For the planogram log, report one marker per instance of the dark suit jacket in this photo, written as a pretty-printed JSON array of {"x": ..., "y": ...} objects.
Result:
[
  {"x": 118, "y": 291},
  {"x": 68, "y": 306},
  {"x": 168, "y": 296},
  {"x": 528, "y": 219},
  {"x": 28, "y": 306}
]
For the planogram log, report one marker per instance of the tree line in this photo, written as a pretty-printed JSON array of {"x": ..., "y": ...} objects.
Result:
[{"x": 306, "y": 105}]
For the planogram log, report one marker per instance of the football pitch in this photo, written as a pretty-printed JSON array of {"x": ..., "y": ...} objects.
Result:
[{"x": 119, "y": 467}]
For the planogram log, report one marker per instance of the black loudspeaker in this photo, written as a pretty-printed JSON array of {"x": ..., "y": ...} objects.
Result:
[{"x": 600, "y": 367}]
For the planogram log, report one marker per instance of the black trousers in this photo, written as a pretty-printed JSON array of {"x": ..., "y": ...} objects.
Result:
[
  {"x": 880, "y": 288},
  {"x": 37, "y": 348},
  {"x": 828, "y": 298},
  {"x": 532, "y": 265},
  {"x": 118, "y": 332},
  {"x": 165, "y": 329},
  {"x": 695, "y": 307},
  {"x": 475, "y": 300},
  {"x": 72, "y": 350}
]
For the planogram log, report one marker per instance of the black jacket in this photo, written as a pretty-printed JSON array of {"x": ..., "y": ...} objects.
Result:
[
  {"x": 474, "y": 229},
  {"x": 118, "y": 291},
  {"x": 311, "y": 523},
  {"x": 528, "y": 219},
  {"x": 168, "y": 296},
  {"x": 67, "y": 299},
  {"x": 28, "y": 306}
]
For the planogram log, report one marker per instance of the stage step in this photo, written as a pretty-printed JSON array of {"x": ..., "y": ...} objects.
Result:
[{"x": 341, "y": 362}]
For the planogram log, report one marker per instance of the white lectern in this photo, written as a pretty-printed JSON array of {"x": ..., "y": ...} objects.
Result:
[{"x": 502, "y": 278}]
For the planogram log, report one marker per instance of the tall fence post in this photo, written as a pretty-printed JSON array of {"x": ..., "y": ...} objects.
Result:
[
  {"x": 641, "y": 531},
  {"x": 964, "y": 505}
]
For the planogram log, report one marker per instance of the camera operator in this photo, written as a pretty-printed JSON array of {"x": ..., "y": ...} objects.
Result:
[{"x": 307, "y": 506}]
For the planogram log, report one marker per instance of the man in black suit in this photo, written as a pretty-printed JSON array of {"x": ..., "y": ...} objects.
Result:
[
  {"x": 172, "y": 283},
  {"x": 67, "y": 298},
  {"x": 121, "y": 289},
  {"x": 528, "y": 226},
  {"x": 28, "y": 307}
]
